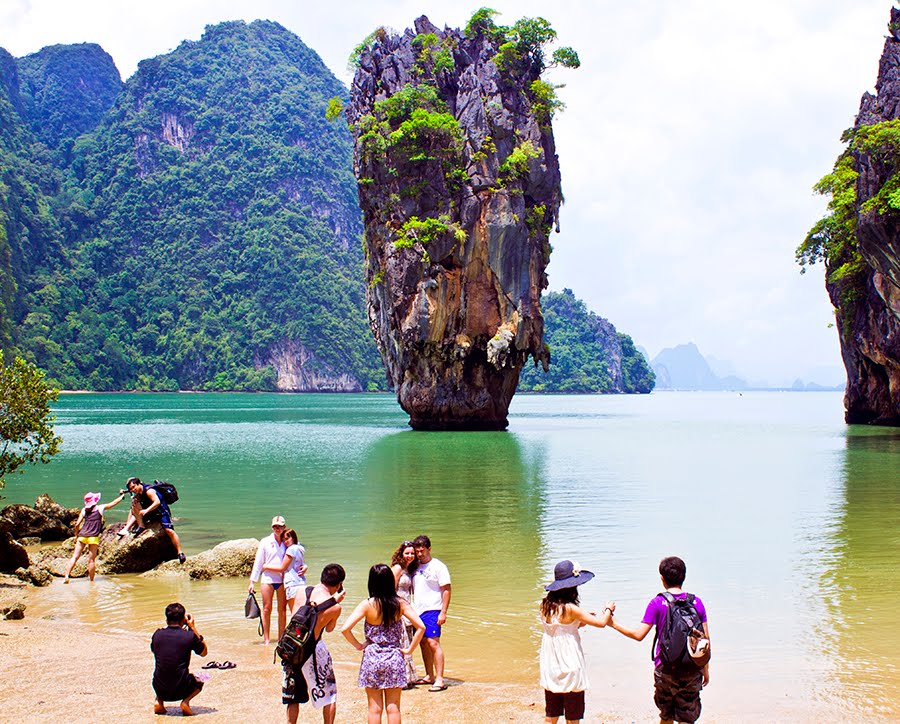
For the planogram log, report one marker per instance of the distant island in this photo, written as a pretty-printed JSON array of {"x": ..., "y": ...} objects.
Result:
[{"x": 683, "y": 367}]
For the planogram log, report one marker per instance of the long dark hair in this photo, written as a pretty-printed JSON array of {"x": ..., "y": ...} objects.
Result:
[
  {"x": 397, "y": 558},
  {"x": 383, "y": 591},
  {"x": 554, "y": 602}
]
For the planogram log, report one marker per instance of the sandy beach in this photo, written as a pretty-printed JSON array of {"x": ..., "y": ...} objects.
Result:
[{"x": 60, "y": 671}]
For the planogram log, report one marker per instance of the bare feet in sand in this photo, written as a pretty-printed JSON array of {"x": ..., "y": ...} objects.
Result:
[
  {"x": 186, "y": 709},
  {"x": 159, "y": 707}
]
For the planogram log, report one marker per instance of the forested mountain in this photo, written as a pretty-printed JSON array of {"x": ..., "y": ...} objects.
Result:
[
  {"x": 587, "y": 354},
  {"x": 198, "y": 227},
  {"x": 204, "y": 234},
  {"x": 66, "y": 90}
]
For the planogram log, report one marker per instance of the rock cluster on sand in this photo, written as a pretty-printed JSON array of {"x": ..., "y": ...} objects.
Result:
[
  {"x": 459, "y": 185},
  {"x": 47, "y": 520},
  {"x": 151, "y": 551}
]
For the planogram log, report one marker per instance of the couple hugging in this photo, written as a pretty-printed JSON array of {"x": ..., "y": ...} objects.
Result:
[{"x": 423, "y": 581}]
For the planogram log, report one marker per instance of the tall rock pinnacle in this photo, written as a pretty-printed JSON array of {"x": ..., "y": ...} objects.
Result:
[
  {"x": 859, "y": 241},
  {"x": 459, "y": 185}
]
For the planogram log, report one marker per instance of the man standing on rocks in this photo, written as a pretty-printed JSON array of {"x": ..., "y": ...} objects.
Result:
[
  {"x": 431, "y": 599},
  {"x": 171, "y": 647}
]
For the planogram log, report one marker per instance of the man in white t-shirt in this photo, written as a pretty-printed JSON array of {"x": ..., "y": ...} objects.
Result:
[{"x": 431, "y": 599}]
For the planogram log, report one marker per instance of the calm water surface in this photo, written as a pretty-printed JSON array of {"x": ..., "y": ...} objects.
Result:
[{"x": 788, "y": 521}]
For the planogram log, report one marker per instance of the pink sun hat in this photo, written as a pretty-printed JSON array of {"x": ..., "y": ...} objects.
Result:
[{"x": 91, "y": 499}]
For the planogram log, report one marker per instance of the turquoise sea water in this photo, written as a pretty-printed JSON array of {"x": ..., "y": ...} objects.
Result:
[{"x": 787, "y": 519}]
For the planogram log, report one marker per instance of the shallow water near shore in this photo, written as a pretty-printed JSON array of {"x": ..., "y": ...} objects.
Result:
[{"x": 786, "y": 517}]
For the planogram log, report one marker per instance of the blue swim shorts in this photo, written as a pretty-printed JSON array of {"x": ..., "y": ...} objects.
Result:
[
  {"x": 432, "y": 630},
  {"x": 161, "y": 515}
]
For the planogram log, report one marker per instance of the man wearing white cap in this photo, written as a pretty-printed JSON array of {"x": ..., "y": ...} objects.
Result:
[
  {"x": 88, "y": 528},
  {"x": 271, "y": 552}
]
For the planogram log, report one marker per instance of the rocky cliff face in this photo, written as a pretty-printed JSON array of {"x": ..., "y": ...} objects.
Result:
[
  {"x": 460, "y": 186},
  {"x": 868, "y": 308}
]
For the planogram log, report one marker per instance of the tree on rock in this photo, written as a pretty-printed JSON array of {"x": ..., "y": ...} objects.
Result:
[{"x": 26, "y": 422}]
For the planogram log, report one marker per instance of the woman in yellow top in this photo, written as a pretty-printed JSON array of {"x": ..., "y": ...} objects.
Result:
[{"x": 88, "y": 528}]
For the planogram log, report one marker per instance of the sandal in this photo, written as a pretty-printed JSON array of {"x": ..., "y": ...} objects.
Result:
[
  {"x": 437, "y": 688},
  {"x": 227, "y": 665},
  {"x": 210, "y": 665},
  {"x": 421, "y": 681}
]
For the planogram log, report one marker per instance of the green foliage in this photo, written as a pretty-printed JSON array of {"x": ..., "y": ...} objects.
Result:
[
  {"x": 66, "y": 90},
  {"x": 482, "y": 21},
  {"x": 516, "y": 164},
  {"x": 424, "y": 231},
  {"x": 545, "y": 101},
  {"x": 411, "y": 126},
  {"x": 637, "y": 375},
  {"x": 566, "y": 57},
  {"x": 581, "y": 345},
  {"x": 195, "y": 229},
  {"x": 26, "y": 422},
  {"x": 334, "y": 109},
  {"x": 834, "y": 235}
]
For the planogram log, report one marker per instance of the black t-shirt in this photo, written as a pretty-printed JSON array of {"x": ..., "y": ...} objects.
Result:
[{"x": 172, "y": 648}]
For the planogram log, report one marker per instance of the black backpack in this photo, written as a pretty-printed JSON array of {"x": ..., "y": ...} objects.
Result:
[
  {"x": 298, "y": 642},
  {"x": 670, "y": 643},
  {"x": 165, "y": 490}
]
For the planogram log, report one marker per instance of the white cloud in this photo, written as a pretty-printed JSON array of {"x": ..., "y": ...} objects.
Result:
[{"x": 692, "y": 137}]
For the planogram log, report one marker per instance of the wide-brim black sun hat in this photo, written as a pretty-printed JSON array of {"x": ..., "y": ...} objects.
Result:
[{"x": 567, "y": 574}]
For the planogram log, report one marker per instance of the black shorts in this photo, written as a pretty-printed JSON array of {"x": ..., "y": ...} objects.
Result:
[
  {"x": 571, "y": 703},
  {"x": 677, "y": 694},
  {"x": 188, "y": 686},
  {"x": 294, "y": 689}
]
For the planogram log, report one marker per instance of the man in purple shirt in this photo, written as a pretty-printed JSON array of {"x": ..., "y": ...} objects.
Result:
[{"x": 676, "y": 690}]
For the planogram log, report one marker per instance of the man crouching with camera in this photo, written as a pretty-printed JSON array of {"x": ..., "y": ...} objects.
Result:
[{"x": 172, "y": 646}]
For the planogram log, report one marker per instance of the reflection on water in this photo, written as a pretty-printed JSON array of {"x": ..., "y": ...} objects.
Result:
[
  {"x": 479, "y": 500},
  {"x": 862, "y": 574}
]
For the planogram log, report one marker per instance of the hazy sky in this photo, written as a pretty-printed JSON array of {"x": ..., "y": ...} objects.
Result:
[{"x": 692, "y": 136}]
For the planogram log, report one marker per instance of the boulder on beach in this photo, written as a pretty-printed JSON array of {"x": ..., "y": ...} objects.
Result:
[
  {"x": 12, "y": 554},
  {"x": 232, "y": 558},
  {"x": 12, "y": 598},
  {"x": 47, "y": 520},
  {"x": 35, "y": 575}
]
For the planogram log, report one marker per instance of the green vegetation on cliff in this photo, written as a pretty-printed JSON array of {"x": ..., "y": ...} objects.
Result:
[
  {"x": 586, "y": 353},
  {"x": 208, "y": 223}
]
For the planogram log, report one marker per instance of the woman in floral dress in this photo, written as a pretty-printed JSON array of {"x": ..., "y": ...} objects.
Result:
[{"x": 383, "y": 671}]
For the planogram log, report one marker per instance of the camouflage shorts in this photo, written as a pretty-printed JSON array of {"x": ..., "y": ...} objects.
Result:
[{"x": 677, "y": 695}]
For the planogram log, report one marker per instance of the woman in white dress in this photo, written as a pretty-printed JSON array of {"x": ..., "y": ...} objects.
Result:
[{"x": 563, "y": 672}]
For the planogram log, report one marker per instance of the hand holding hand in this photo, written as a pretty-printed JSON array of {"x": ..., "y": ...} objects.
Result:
[{"x": 611, "y": 605}]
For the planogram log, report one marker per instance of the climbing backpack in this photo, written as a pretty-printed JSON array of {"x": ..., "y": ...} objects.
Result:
[
  {"x": 298, "y": 642},
  {"x": 165, "y": 490},
  {"x": 678, "y": 636}
]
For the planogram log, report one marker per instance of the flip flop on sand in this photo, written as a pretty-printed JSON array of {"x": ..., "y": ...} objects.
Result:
[
  {"x": 227, "y": 665},
  {"x": 210, "y": 665},
  {"x": 421, "y": 681},
  {"x": 437, "y": 688}
]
